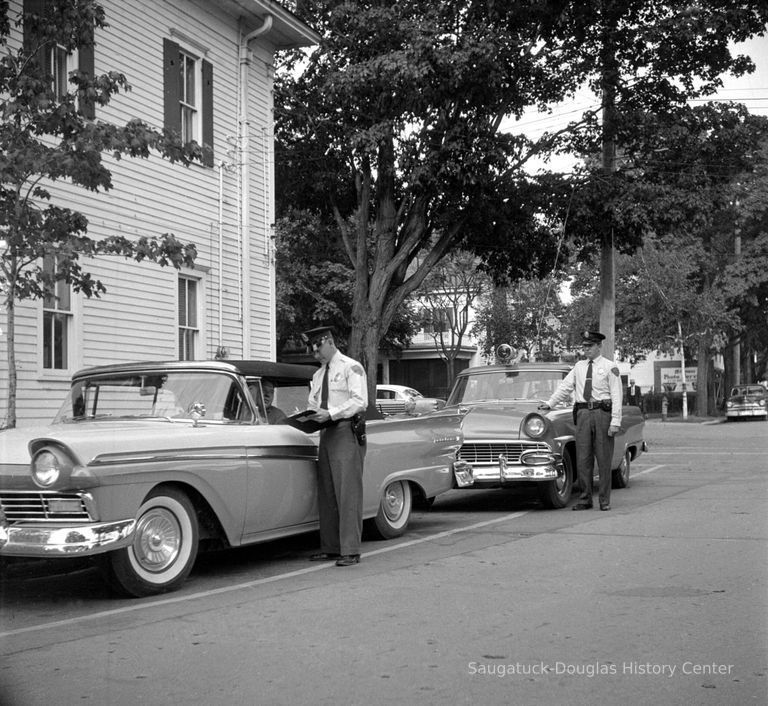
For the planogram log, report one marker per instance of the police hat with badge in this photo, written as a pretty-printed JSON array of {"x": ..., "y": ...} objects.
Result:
[
  {"x": 317, "y": 336},
  {"x": 592, "y": 337}
]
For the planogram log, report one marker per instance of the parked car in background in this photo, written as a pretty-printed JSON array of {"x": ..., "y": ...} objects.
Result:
[
  {"x": 508, "y": 442},
  {"x": 147, "y": 461},
  {"x": 399, "y": 399},
  {"x": 747, "y": 402}
]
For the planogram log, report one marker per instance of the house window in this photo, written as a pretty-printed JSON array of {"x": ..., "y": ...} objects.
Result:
[
  {"x": 189, "y": 68},
  {"x": 62, "y": 63},
  {"x": 57, "y": 320},
  {"x": 52, "y": 62},
  {"x": 188, "y": 96},
  {"x": 188, "y": 317}
]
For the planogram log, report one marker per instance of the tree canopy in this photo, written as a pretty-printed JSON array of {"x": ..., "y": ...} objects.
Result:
[{"x": 391, "y": 126}]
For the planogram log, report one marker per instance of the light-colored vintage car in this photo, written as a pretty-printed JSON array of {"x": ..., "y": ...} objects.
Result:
[
  {"x": 508, "y": 441},
  {"x": 747, "y": 402},
  {"x": 401, "y": 399},
  {"x": 145, "y": 461}
]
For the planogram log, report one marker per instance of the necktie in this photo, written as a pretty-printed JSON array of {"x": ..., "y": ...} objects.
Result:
[
  {"x": 588, "y": 383},
  {"x": 324, "y": 390}
]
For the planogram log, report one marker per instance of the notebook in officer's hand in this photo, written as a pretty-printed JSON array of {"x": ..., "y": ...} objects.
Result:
[{"x": 304, "y": 421}]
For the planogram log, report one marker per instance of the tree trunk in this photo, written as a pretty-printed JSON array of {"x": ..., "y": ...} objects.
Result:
[
  {"x": 702, "y": 378},
  {"x": 608, "y": 82}
]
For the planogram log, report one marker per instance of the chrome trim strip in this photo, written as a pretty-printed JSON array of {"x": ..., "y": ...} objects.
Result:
[
  {"x": 81, "y": 540},
  {"x": 207, "y": 454}
]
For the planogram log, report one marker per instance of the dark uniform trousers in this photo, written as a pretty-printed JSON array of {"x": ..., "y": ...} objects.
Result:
[
  {"x": 593, "y": 443},
  {"x": 340, "y": 489}
]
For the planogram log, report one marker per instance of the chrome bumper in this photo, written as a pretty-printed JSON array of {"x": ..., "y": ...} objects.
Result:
[
  {"x": 37, "y": 540},
  {"x": 542, "y": 467}
]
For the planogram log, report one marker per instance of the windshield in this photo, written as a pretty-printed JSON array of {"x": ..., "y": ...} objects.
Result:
[
  {"x": 182, "y": 395},
  {"x": 751, "y": 390},
  {"x": 506, "y": 385}
]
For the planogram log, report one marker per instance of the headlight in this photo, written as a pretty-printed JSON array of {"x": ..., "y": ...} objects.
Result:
[
  {"x": 729, "y": 404},
  {"x": 535, "y": 426},
  {"x": 46, "y": 469}
]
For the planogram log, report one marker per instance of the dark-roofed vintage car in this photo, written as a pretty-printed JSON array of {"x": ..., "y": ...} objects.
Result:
[
  {"x": 508, "y": 441},
  {"x": 144, "y": 461},
  {"x": 401, "y": 399},
  {"x": 747, "y": 402}
]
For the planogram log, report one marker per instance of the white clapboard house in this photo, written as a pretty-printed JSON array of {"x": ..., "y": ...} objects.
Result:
[{"x": 204, "y": 68}]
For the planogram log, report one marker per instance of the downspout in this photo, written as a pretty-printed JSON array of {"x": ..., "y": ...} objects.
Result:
[
  {"x": 244, "y": 138},
  {"x": 221, "y": 256}
]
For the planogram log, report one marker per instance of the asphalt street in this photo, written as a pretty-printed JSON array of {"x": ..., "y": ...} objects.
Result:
[{"x": 488, "y": 599}]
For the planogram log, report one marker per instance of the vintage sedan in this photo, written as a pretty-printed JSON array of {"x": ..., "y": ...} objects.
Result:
[
  {"x": 401, "y": 399},
  {"x": 509, "y": 442},
  {"x": 747, "y": 402},
  {"x": 146, "y": 461}
]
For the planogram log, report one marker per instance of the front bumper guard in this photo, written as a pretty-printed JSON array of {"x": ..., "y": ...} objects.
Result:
[
  {"x": 37, "y": 540},
  {"x": 534, "y": 465}
]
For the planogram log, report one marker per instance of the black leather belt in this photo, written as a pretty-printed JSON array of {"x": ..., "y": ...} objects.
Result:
[{"x": 605, "y": 405}]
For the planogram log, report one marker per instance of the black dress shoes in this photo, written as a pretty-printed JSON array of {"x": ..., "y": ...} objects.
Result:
[
  {"x": 605, "y": 507},
  {"x": 323, "y": 556},
  {"x": 348, "y": 560},
  {"x": 582, "y": 506}
]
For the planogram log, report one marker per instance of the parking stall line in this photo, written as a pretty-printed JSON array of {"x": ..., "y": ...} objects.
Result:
[
  {"x": 634, "y": 474},
  {"x": 249, "y": 584}
]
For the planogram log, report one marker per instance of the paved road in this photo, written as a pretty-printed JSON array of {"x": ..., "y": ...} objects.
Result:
[{"x": 487, "y": 600}]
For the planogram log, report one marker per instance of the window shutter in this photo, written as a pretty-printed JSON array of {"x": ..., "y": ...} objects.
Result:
[
  {"x": 86, "y": 65},
  {"x": 36, "y": 7},
  {"x": 171, "y": 97},
  {"x": 208, "y": 113}
]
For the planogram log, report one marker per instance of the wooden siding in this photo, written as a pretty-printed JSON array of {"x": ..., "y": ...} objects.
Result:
[{"x": 137, "y": 317}]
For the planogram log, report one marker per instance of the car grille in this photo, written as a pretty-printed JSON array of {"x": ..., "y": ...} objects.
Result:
[
  {"x": 488, "y": 452},
  {"x": 31, "y": 506}
]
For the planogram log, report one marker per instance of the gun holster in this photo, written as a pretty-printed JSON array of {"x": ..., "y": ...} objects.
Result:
[{"x": 358, "y": 428}]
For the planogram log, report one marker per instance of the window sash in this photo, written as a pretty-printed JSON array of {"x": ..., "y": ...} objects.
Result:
[
  {"x": 56, "y": 340},
  {"x": 188, "y": 317},
  {"x": 189, "y": 80}
]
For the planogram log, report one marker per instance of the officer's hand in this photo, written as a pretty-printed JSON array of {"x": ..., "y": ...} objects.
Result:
[
  {"x": 321, "y": 416},
  {"x": 613, "y": 430},
  {"x": 544, "y": 405}
]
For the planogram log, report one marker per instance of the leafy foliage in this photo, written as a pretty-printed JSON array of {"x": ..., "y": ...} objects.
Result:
[
  {"x": 526, "y": 316},
  {"x": 390, "y": 129}
]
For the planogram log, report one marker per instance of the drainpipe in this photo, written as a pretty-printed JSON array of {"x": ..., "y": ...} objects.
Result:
[
  {"x": 244, "y": 137},
  {"x": 221, "y": 253}
]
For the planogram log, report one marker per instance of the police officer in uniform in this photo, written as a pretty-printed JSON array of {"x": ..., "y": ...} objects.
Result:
[
  {"x": 339, "y": 393},
  {"x": 596, "y": 384}
]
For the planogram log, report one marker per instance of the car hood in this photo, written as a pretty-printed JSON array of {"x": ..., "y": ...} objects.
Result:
[
  {"x": 495, "y": 420},
  {"x": 87, "y": 440}
]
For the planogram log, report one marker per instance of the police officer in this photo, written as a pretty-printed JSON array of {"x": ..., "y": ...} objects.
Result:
[
  {"x": 596, "y": 384},
  {"x": 339, "y": 391}
]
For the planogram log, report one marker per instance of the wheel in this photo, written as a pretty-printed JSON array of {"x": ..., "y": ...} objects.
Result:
[
  {"x": 164, "y": 546},
  {"x": 394, "y": 510},
  {"x": 556, "y": 493},
  {"x": 620, "y": 475}
]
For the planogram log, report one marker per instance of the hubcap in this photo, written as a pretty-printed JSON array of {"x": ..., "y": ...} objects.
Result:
[
  {"x": 393, "y": 501},
  {"x": 158, "y": 540}
]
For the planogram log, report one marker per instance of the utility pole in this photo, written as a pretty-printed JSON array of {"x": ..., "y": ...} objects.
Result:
[
  {"x": 737, "y": 345},
  {"x": 682, "y": 370}
]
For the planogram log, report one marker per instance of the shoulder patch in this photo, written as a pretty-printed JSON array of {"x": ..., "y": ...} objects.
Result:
[
  {"x": 615, "y": 371},
  {"x": 357, "y": 369}
]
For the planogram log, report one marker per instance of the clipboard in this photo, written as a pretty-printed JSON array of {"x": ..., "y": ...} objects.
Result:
[{"x": 304, "y": 421}]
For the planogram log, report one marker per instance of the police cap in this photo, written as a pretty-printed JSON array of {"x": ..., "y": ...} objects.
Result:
[
  {"x": 315, "y": 334},
  {"x": 592, "y": 337}
]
